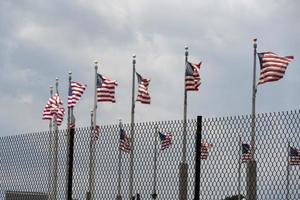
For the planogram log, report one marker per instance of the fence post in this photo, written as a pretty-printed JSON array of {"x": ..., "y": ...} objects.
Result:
[
  {"x": 70, "y": 163},
  {"x": 251, "y": 180},
  {"x": 198, "y": 157}
]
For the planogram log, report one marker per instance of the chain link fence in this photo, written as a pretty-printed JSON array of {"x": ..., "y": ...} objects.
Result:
[{"x": 27, "y": 161}]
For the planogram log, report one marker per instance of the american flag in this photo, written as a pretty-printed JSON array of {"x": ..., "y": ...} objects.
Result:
[
  {"x": 143, "y": 94},
  {"x": 165, "y": 140},
  {"x": 75, "y": 92},
  {"x": 124, "y": 142},
  {"x": 294, "y": 156},
  {"x": 96, "y": 132},
  {"x": 106, "y": 89},
  {"x": 272, "y": 66},
  {"x": 246, "y": 152},
  {"x": 204, "y": 150},
  {"x": 192, "y": 77},
  {"x": 54, "y": 107}
]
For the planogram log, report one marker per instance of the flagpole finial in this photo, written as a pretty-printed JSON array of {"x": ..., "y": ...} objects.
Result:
[
  {"x": 133, "y": 59},
  {"x": 186, "y": 50},
  {"x": 51, "y": 90},
  {"x": 56, "y": 84},
  {"x": 255, "y": 42},
  {"x": 96, "y": 62},
  {"x": 70, "y": 75}
]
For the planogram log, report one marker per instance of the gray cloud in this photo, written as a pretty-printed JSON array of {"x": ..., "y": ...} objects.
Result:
[{"x": 43, "y": 40}]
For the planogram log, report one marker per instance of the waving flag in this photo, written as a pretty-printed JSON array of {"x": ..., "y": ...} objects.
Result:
[
  {"x": 124, "y": 142},
  {"x": 96, "y": 133},
  {"x": 106, "y": 89},
  {"x": 54, "y": 107},
  {"x": 246, "y": 152},
  {"x": 272, "y": 66},
  {"x": 165, "y": 140},
  {"x": 143, "y": 94},
  {"x": 294, "y": 156},
  {"x": 76, "y": 90},
  {"x": 192, "y": 77},
  {"x": 204, "y": 150}
]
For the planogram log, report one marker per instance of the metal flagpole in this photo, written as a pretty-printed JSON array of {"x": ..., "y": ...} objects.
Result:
[
  {"x": 70, "y": 153},
  {"x": 119, "y": 197},
  {"x": 240, "y": 166},
  {"x": 183, "y": 169},
  {"x": 154, "y": 195},
  {"x": 251, "y": 169},
  {"x": 198, "y": 139},
  {"x": 55, "y": 173},
  {"x": 50, "y": 151},
  {"x": 90, "y": 195},
  {"x": 288, "y": 173},
  {"x": 131, "y": 196},
  {"x": 68, "y": 136}
]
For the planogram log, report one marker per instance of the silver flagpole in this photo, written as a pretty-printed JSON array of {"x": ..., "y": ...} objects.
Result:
[
  {"x": 50, "y": 151},
  {"x": 251, "y": 168},
  {"x": 131, "y": 178},
  {"x": 184, "y": 114},
  {"x": 92, "y": 142},
  {"x": 240, "y": 166},
  {"x": 119, "y": 197},
  {"x": 55, "y": 173},
  {"x": 183, "y": 169},
  {"x": 154, "y": 195},
  {"x": 288, "y": 173}
]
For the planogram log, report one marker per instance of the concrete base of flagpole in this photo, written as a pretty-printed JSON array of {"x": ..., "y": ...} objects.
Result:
[
  {"x": 183, "y": 181},
  {"x": 88, "y": 196},
  {"x": 119, "y": 197},
  {"x": 251, "y": 180},
  {"x": 154, "y": 195}
]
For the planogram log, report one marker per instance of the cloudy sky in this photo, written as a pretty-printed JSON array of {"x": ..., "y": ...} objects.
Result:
[{"x": 42, "y": 40}]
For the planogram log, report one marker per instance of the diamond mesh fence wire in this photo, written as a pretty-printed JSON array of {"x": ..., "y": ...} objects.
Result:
[{"x": 27, "y": 164}]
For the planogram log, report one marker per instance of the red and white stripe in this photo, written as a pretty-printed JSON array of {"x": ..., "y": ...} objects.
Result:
[
  {"x": 143, "y": 94},
  {"x": 54, "y": 107},
  {"x": 192, "y": 82},
  {"x": 272, "y": 66},
  {"x": 77, "y": 91},
  {"x": 295, "y": 159},
  {"x": 167, "y": 142},
  {"x": 204, "y": 150},
  {"x": 106, "y": 93}
]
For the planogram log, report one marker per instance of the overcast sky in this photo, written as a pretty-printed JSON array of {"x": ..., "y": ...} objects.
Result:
[{"x": 42, "y": 40}]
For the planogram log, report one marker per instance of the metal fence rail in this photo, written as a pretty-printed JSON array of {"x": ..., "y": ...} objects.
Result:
[{"x": 27, "y": 167}]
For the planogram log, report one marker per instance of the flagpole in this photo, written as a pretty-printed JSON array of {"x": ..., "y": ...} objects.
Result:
[
  {"x": 240, "y": 166},
  {"x": 131, "y": 196},
  {"x": 119, "y": 197},
  {"x": 154, "y": 195},
  {"x": 288, "y": 173},
  {"x": 183, "y": 169},
  {"x": 68, "y": 137},
  {"x": 184, "y": 113},
  {"x": 55, "y": 149},
  {"x": 50, "y": 150},
  {"x": 251, "y": 170},
  {"x": 92, "y": 142},
  {"x": 254, "y": 90}
]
